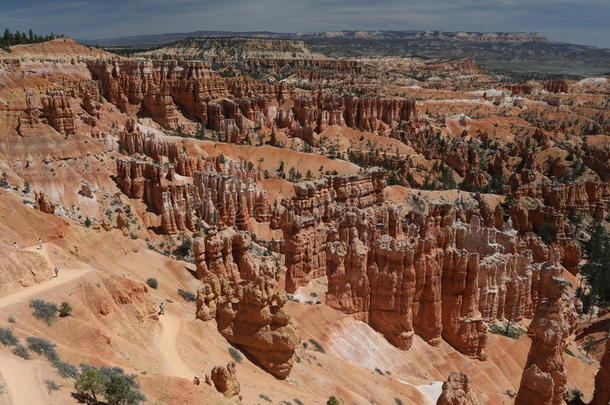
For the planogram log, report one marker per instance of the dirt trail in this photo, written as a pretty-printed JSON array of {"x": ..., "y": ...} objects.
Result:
[
  {"x": 174, "y": 365},
  {"x": 65, "y": 275},
  {"x": 23, "y": 380}
]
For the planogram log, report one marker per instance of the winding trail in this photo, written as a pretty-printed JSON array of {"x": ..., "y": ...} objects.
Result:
[
  {"x": 65, "y": 276},
  {"x": 23, "y": 379},
  {"x": 174, "y": 365}
]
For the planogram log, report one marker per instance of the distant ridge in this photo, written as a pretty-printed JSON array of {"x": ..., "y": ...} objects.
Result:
[
  {"x": 515, "y": 51},
  {"x": 158, "y": 39}
]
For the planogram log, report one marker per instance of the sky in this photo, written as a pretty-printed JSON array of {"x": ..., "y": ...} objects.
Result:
[{"x": 575, "y": 21}]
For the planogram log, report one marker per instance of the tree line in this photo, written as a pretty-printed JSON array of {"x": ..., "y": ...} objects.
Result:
[{"x": 10, "y": 38}]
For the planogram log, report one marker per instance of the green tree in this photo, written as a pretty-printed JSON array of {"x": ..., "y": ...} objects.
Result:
[
  {"x": 65, "y": 310},
  {"x": 90, "y": 383},
  {"x": 333, "y": 401}
]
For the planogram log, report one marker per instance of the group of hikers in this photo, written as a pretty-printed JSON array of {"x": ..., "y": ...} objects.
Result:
[{"x": 39, "y": 242}]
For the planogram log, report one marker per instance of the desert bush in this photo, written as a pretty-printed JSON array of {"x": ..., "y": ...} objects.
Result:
[
  {"x": 65, "y": 310},
  {"x": 513, "y": 331},
  {"x": 21, "y": 351},
  {"x": 398, "y": 401},
  {"x": 42, "y": 347},
  {"x": 185, "y": 247},
  {"x": 235, "y": 354},
  {"x": 7, "y": 338},
  {"x": 152, "y": 283},
  {"x": 11, "y": 319},
  {"x": 64, "y": 369},
  {"x": 45, "y": 311},
  {"x": 52, "y": 386},
  {"x": 333, "y": 401},
  {"x": 188, "y": 296},
  {"x": 265, "y": 397},
  {"x": 317, "y": 346}
]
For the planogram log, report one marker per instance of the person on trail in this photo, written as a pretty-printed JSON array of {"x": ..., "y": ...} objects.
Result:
[
  {"x": 56, "y": 271},
  {"x": 162, "y": 308},
  {"x": 15, "y": 245},
  {"x": 39, "y": 244}
]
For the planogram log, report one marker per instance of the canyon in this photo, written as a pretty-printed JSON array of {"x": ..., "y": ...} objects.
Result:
[{"x": 238, "y": 220}]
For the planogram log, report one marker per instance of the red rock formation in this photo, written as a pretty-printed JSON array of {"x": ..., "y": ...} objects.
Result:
[
  {"x": 43, "y": 203},
  {"x": 225, "y": 380},
  {"x": 228, "y": 255},
  {"x": 57, "y": 110},
  {"x": 250, "y": 315},
  {"x": 375, "y": 115},
  {"x": 431, "y": 275},
  {"x": 602, "y": 380},
  {"x": 544, "y": 380},
  {"x": 174, "y": 201},
  {"x": 457, "y": 390},
  {"x": 556, "y": 86}
]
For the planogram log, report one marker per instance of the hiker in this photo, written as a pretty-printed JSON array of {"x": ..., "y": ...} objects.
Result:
[
  {"x": 196, "y": 380},
  {"x": 56, "y": 271},
  {"x": 15, "y": 245},
  {"x": 162, "y": 308},
  {"x": 39, "y": 244}
]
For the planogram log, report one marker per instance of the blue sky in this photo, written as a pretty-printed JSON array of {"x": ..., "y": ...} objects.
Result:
[{"x": 576, "y": 21}]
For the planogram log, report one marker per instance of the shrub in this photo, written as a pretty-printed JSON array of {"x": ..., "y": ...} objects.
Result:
[
  {"x": 52, "y": 385},
  {"x": 333, "y": 401},
  {"x": 120, "y": 389},
  {"x": 317, "y": 346},
  {"x": 378, "y": 371},
  {"x": 265, "y": 397},
  {"x": 7, "y": 338},
  {"x": 43, "y": 310},
  {"x": 152, "y": 283},
  {"x": 90, "y": 382},
  {"x": 235, "y": 354},
  {"x": 42, "y": 347},
  {"x": 398, "y": 401},
  {"x": 547, "y": 232},
  {"x": 87, "y": 222},
  {"x": 64, "y": 369},
  {"x": 65, "y": 310},
  {"x": 513, "y": 331},
  {"x": 111, "y": 382},
  {"x": 298, "y": 401},
  {"x": 188, "y": 296},
  {"x": 21, "y": 351},
  {"x": 11, "y": 319},
  {"x": 184, "y": 249}
]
